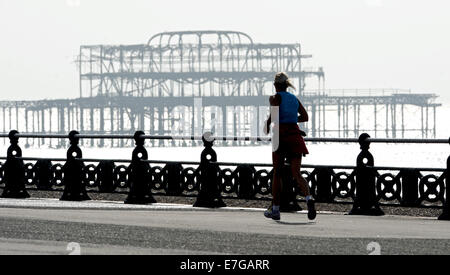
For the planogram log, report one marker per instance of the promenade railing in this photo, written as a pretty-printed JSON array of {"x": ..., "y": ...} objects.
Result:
[{"x": 366, "y": 186}]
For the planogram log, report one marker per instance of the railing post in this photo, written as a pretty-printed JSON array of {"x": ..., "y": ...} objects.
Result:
[
  {"x": 245, "y": 181},
  {"x": 410, "y": 187},
  {"x": 43, "y": 170},
  {"x": 288, "y": 194},
  {"x": 366, "y": 202},
  {"x": 105, "y": 172},
  {"x": 140, "y": 174},
  {"x": 446, "y": 212},
  {"x": 74, "y": 186},
  {"x": 173, "y": 177},
  {"x": 14, "y": 171},
  {"x": 324, "y": 185},
  {"x": 209, "y": 194}
]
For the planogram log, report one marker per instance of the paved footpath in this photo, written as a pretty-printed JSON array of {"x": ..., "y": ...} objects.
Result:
[{"x": 47, "y": 226}]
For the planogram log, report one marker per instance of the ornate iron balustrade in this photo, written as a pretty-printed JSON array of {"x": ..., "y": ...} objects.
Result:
[{"x": 365, "y": 186}]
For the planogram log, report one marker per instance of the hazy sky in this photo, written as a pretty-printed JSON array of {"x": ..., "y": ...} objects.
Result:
[{"x": 360, "y": 43}]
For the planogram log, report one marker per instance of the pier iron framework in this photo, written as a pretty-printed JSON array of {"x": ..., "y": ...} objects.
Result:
[{"x": 219, "y": 81}]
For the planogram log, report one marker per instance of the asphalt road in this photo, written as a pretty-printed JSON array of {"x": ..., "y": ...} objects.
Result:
[{"x": 48, "y": 226}]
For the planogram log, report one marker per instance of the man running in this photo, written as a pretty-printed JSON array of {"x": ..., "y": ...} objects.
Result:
[{"x": 289, "y": 139}]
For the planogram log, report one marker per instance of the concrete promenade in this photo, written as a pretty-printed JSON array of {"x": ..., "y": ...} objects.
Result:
[{"x": 47, "y": 226}]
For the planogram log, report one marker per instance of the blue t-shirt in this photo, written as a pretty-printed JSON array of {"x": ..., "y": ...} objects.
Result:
[{"x": 288, "y": 108}]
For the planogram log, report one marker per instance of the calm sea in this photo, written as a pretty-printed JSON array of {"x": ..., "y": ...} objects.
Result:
[{"x": 404, "y": 155}]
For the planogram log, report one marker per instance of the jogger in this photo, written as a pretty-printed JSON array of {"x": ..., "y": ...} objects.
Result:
[{"x": 291, "y": 144}]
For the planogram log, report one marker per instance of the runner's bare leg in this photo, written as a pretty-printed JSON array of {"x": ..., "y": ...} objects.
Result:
[
  {"x": 277, "y": 160},
  {"x": 296, "y": 163}
]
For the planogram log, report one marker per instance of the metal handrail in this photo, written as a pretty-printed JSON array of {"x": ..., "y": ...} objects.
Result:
[{"x": 231, "y": 138}]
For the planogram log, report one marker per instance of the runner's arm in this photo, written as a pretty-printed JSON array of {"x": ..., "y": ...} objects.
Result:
[
  {"x": 303, "y": 114},
  {"x": 274, "y": 100}
]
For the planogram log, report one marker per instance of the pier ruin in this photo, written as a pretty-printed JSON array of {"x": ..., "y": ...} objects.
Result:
[{"x": 219, "y": 81}]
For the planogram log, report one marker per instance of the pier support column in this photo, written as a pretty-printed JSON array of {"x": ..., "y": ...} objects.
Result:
[
  {"x": 62, "y": 126},
  {"x": 91, "y": 119},
  {"x": 43, "y": 124},
  {"x": 26, "y": 128},
  {"x": 346, "y": 115},
  {"x": 355, "y": 127},
  {"x": 375, "y": 119},
  {"x": 339, "y": 119},
  {"x": 121, "y": 129},
  {"x": 161, "y": 124},
  {"x": 394, "y": 120},
  {"x": 82, "y": 123},
  {"x": 403, "y": 120},
  {"x": 111, "y": 116},
  {"x": 324, "y": 120},
  {"x": 387, "y": 120},
  {"x": 313, "y": 120},
  {"x": 17, "y": 117},
  {"x": 4, "y": 123},
  {"x": 102, "y": 126},
  {"x": 426, "y": 122},
  {"x": 421, "y": 119},
  {"x": 434, "y": 121},
  {"x": 224, "y": 122},
  {"x": 50, "y": 129}
]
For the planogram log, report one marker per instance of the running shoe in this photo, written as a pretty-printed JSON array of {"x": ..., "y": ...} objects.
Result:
[
  {"x": 311, "y": 209},
  {"x": 274, "y": 215}
]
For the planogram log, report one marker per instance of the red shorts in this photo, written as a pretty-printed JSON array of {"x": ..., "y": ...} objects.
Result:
[{"x": 291, "y": 142}]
